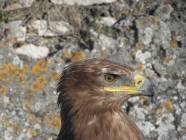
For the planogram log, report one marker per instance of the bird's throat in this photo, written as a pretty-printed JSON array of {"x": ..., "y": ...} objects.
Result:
[
  {"x": 105, "y": 126},
  {"x": 97, "y": 118}
]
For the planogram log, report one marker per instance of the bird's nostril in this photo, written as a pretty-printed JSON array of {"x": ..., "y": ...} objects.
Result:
[{"x": 139, "y": 82}]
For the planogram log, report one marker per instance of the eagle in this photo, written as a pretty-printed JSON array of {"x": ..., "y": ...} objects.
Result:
[{"x": 91, "y": 95}]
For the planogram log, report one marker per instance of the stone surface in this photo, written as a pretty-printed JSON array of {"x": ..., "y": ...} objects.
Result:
[
  {"x": 141, "y": 57},
  {"x": 33, "y": 51},
  {"x": 26, "y": 3},
  {"x": 81, "y": 2},
  {"x": 103, "y": 47},
  {"x": 183, "y": 120},
  {"x": 59, "y": 28},
  {"x": 53, "y": 28},
  {"x": 17, "y": 31},
  {"x": 148, "y": 36},
  {"x": 147, "y": 127},
  {"x": 164, "y": 11},
  {"x": 165, "y": 38},
  {"x": 166, "y": 128},
  {"x": 107, "y": 21}
]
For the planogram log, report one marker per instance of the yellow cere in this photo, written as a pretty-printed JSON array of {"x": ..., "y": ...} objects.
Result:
[{"x": 138, "y": 82}]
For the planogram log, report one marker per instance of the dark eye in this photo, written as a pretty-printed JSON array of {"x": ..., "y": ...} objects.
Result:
[{"x": 110, "y": 77}]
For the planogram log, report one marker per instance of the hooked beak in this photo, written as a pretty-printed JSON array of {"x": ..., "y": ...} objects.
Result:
[{"x": 142, "y": 87}]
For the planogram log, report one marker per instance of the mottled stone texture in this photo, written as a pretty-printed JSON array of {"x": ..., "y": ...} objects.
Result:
[{"x": 81, "y": 2}]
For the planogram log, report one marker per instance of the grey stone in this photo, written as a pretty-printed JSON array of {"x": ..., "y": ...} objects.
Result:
[
  {"x": 146, "y": 30},
  {"x": 17, "y": 31},
  {"x": 159, "y": 68},
  {"x": 139, "y": 113},
  {"x": 147, "y": 127},
  {"x": 183, "y": 120},
  {"x": 81, "y": 2},
  {"x": 163, "y": 35},
  {"x": 180, "y": 86},
  {"x": 59, "y": 28},
  {"x": 142, "y": 57},
  {"x": 122, "y": 56},
  {"x": 183, "y": 137},
  {"x": 6, "y": 100},
  {"x": 52, "y": 28},
  {"x": 166, "y": 127},
  {"x": 164, "y": 11},
  {"x": 26, "y": 3},
  {"x": 148, "y": 34},
  {"x": 17, "y": 61},
  {"x": 107, "y": 21},
  {"x": 106, "y": 45},
  {"x": 8, "y": 135},
  {"x": 35, "y": 52}
]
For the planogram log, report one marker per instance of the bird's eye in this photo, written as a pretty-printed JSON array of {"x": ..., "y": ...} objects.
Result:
[{"x": 110, "y": 77}]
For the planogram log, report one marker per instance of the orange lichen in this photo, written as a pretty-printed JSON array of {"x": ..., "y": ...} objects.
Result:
[
  {"x": 11, "y": 72},
  {"x": 52, "y": 122},
  {"x": 173, "y": 43},
  {"x": 67, "y": 53},
  {"x": 167, "y": 59},
  {"x": 56, "y": 122},
  {"x": 3, "y": 75},
  {"x": 168, "y": 105},
  {"x": 139, "y": 67},
  {"x": 158, "y": 110},
  {"x": 22, "y": 72},
  {"x": 21, "y": 76},
  {"x": 33, "y": 119},
  {"x": 6, "y": 71},
  {"x": 5, "y": 121},
  {"x": 155, "y": 19},
  {"x": 8, "y": 124},
  {"x": 55, "y": 76},
  {"x": 40, "y": 67},
  {"x": 32, "y": 132},
  {"x": 16, "y": 127},
  {"x": 38, "y": 84},
  {"x": 3, "y": 90},
  {"x": 12, "y": 69},
  {"x": 138, "y": 46},
  {"x": 27, "y": 103},
  {"x": 78, "y": 55},
  {"x": 183, "y": 130}
]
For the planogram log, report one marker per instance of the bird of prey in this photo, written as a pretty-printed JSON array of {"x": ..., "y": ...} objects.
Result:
[{"x": 91, "y": 94}]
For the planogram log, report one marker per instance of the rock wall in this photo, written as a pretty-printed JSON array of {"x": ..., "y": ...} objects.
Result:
[{"x": 37, "y": 39}]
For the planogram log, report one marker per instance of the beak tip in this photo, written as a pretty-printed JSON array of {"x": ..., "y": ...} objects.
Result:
[{"x": 148, "y": 88}]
